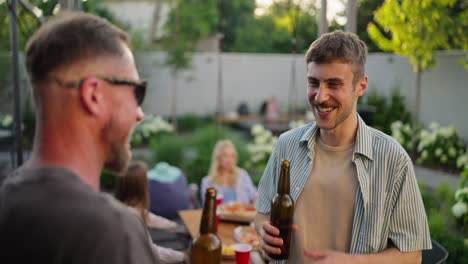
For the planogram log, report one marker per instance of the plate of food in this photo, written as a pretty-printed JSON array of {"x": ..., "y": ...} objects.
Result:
[
  {"x": 228, "y": 252},
  {"x": 247, "y": 235},
  {"x": 236, "y": 211}
]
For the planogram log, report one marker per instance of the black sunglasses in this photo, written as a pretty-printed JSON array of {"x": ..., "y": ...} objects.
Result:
[{"x": 140, "y": 85}]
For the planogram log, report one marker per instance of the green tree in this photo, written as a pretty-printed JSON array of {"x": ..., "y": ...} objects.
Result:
[
  {"x": 366, "y": 9},
  {"x": 417, "y": 29},
  {"x": 234, "y": 16},
  {"x": 189, "y": 21},
  {"x": 28, "y": 22},
  {"x": 273, "y": 31}
]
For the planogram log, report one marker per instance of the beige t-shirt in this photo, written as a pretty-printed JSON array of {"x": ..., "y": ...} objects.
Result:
[{"x": 325, "y": 208}]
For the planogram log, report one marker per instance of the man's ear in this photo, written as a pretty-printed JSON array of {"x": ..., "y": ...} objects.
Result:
[
  {"x": 362, "y": 86},
  {"x": 91, "y": 96}
]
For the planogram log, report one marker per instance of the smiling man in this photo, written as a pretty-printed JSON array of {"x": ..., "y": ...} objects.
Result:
[
  {"x": 87, "y": 95},
  {"x": 355, "y": 192}
]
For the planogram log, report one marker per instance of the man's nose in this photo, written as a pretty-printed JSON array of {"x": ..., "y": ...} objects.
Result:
[
  {"x": 321, "y": 95},
  {"x": 140, "y": 114}
]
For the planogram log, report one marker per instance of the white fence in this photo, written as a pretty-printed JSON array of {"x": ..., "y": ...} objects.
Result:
[{"x": 252, "y": 78}]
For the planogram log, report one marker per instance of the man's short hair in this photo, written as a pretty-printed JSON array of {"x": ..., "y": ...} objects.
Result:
[
  {"x": 339, "y": 46},
  {"x": 69, "y": 38}
]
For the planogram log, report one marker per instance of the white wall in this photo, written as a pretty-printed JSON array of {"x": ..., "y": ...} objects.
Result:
[{"x": 255, "y": 77}]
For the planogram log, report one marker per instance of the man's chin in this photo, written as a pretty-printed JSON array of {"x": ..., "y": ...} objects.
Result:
[{"x": 119, "y": 164}]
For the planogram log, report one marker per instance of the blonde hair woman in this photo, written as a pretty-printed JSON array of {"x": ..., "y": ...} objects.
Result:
[{"x": 229, "y": 180}]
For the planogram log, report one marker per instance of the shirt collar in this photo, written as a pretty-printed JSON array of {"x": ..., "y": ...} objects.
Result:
[{"x": 363, "y": 139}]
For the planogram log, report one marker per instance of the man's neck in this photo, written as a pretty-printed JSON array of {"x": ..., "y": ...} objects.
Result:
[
  {"x": 74, "y": 154},
  {"x": 342, "y": 135}
]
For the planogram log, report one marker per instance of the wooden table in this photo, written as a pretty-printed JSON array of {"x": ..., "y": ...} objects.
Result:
[{"x": 191, "y": 219}]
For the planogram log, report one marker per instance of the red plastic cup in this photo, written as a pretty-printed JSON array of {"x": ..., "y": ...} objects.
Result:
[
  {"x": 219, "y": 199},
  {"x": 242, "y": 253}
]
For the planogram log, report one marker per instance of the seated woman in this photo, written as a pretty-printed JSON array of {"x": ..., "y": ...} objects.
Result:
[
  {"x": 229, "y": 180},
  {"x": 132, "y": 190}
]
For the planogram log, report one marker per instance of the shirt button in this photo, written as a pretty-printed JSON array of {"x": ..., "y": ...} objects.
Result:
[{"x": 297, "y": 188}]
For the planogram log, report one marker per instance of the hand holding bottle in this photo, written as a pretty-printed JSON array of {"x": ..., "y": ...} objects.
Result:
[{"x": 270, "y": 240}]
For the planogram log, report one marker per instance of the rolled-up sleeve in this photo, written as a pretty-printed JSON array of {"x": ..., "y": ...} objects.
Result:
[{"x": 409, "y": 230}]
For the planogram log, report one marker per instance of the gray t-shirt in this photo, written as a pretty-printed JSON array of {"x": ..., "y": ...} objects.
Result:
[{"x": 48, "y": 215}]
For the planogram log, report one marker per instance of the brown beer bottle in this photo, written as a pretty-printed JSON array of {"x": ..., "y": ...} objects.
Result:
[
  {"x": 282, "y": 211},
  {"x": 206, "y": 248}
]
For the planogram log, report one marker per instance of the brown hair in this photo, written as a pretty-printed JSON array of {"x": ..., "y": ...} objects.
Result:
[
  {"x": 339, "y": 46},
  {"x": 132, "y": 188},
  {"x": 68, "y": 38}
]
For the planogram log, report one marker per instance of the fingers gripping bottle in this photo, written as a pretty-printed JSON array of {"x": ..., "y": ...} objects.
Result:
[{"x": 282, "y": 211}]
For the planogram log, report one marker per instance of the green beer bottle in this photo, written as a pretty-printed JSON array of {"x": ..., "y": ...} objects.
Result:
[
  {"x": 282, "y": 211},
  {"x": 206, "y": 249}
]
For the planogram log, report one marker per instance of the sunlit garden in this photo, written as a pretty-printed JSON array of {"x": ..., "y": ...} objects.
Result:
[{"x": 213, "y": 65}]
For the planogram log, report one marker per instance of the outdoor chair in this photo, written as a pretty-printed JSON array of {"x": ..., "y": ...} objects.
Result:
[
  {"x": 167, "y": 199},
  {"x": 437, "y": 255}
]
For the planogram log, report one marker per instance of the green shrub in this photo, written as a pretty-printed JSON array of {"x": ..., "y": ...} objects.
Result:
[
  {"x": 388, "y": 110},
  {"x": 440, "y": 146},
  {"x": 148, "y": 129},
  {"x": 443, "y": 226},
  {"x": 167, "y": 148},
  {"x": 191, "y": 122}
]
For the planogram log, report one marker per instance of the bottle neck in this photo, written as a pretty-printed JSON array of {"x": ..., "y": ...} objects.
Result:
[
  {"x": 208, "y": 220},
  {"x": 283, "y": 184}
]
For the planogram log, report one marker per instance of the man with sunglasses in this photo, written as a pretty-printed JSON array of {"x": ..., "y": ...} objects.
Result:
[{"x": 88, "y": 95}]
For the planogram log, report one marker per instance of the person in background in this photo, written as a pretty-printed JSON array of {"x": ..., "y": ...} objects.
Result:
[
  {"x": 272, "y": 111},
  {"x": 168, "y": 190},
  {"x": 87, "y": 96},
  {"x": 234, "y": 183},
  {"x": 132, "y": 190}
]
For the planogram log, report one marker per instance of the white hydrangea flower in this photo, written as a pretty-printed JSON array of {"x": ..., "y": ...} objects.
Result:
[
  {"x": 424, "y": 135},
  {"x": 460, "y": 193},
  {"x": 443, "y": 159},
  {"x": 7, "y": 121},
  {"x": 424, "y": 154},
  {"x": 396, "y": 125},
  {"x": 256, "y": 129},
  {"x": 438, "y": 152},
  {"x": 407, "y": 129},
  {"x": 452, "y": 152},
  {"x": 459, "y": 209},
  {"x": 433, "y": 126}
]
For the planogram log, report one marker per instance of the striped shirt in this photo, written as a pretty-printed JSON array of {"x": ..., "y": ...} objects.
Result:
[{"x": 388, "y": 203}]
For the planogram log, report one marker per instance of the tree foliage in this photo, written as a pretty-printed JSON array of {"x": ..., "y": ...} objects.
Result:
[
  {"x": 419, "y": 28},
  {"x": 28, "y": 22},
  {"x": 273, "y": 31},
  {"x": 189, "y": 21},
  {"x": 234, "y": 15},
  {"x": 366, "y": 9}
]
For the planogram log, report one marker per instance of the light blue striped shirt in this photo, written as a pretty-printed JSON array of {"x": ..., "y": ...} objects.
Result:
[{"x": 388, "y": 203}]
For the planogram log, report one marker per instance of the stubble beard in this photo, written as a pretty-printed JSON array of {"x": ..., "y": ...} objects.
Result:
[{"x": 118, "y": 155}]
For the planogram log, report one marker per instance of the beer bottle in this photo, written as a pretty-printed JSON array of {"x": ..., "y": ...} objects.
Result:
[
  {"x": 282, "y": 211},
  {"x": 206, "y": 248}
]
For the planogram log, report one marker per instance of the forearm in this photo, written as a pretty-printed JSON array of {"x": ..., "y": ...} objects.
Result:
[{"x": 390, "y": 255}]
